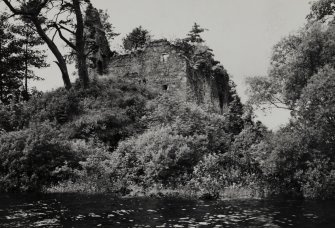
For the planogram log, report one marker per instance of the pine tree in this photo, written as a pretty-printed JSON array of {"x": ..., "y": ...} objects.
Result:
[
  {"x": 18, "y": 54},
  {"x": 32, "y": 55},
  {"x": 235, "y": 110},
  {"x": 11, "y": 68},
  {"x": 194, "y": 35}
]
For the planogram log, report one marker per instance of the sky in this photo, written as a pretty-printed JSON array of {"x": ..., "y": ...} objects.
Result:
[{"x": 240, "y": 32}]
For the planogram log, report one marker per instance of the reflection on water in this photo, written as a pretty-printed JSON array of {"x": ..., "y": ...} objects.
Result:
[{"x": 74, "y": 210}]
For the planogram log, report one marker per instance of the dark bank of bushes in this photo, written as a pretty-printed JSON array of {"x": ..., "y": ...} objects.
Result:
[
  {"x": 122, "y": 138},
  {"x": 40, "y": 138}
]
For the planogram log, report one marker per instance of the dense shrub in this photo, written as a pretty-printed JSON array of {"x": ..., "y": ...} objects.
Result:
[
  {"x": 179, "y": 136},
  {"x": 29, "y": 158},
  {"x": 93, "y": 175},
  {"x": 13, "y": 116},
  {"x": 160, "y": 156},
  {"x": 318, "y": 180},
  {"x": 120, "y": 137},
  {"x": 111, "y": 114},
  {"x": 218, "y": 172},
  {"x": 296, "y": 166},
  {"x": 237, "y": 168},
  {"x": 60, "y": 106},
  {"x": 37, "y": 154}
]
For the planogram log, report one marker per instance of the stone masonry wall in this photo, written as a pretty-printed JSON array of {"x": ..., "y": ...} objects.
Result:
[{"x": 161, "y": 65}]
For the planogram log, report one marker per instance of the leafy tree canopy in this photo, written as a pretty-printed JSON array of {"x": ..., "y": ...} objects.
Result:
[
  {"x": 295, "y": 59},
  {"x": 136, "y": 39}
]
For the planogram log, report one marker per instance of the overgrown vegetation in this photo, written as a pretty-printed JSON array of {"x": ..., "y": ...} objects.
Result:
[
  {"x": 124, "y": 138},
  {"x": 117, "y": 136},
  {"x": 300, "y": 159}
]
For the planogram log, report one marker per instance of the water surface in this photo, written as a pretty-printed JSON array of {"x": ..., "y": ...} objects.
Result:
[{"x": 75, "y": 210}]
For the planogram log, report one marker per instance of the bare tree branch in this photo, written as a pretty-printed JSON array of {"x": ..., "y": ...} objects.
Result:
[{"x": 59, "y": 30}]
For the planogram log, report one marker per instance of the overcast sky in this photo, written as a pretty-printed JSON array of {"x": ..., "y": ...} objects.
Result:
[{"x": 241, "y": 32}]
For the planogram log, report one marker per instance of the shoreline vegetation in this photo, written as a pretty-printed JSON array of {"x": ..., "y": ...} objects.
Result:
[
  {"x": 63, "y": 146},
  {"x": 227, "y": 193},
  {"x": 113, "y": 135}
]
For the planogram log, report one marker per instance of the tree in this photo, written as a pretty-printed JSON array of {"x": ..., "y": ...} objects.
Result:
[
  {"x": 136, "y": 39},
  {"x": 194, "y": 35},
  {"x": 76, "y": 31},
  {"x": 295, "y": 59},
  {"x": 80, "y": 44},
  {"x": 300, "y": 157},
  {"x": 107, "y": 26},
  {"x": 316, "y": 110},
  {"x": 32, "y": 56},
  {"x": 31, "y": 11},
  {"x": 235, "y": 109},
  {"x": 11, "y": 71},
  {"x": 323, "y": 11}
]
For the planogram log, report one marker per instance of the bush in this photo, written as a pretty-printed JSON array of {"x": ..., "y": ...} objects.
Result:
[
  {"x": 60, "y": 106},
  {"x": 30, "y": 157},
  {"x": 160, "y": 156},
  {"x": 13, "y": 116},
  {"x": 179, "y": 135},
  {"x": 94, "y": 173},
  {"x": 318, "y": 181},
  {"x": 111, "y": 115},
  {"x": 218, "y": 172}
]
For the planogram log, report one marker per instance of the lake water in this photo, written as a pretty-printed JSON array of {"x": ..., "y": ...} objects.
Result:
[{"x": 74, "y": 210}]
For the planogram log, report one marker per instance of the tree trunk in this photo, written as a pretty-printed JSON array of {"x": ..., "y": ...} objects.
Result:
[
  {"x": 1, "y": 73},
  {"x": 26, "y": 69},
  {"x": 80, "y": 45},
  {"x": 60, "y": 59}
]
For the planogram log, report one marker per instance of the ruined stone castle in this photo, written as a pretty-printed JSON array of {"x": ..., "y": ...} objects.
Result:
[{"x": 162, "y": 65}]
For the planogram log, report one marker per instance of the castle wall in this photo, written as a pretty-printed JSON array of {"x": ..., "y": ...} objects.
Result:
[
  {"x": 163, "y": 67},
  {"x": 159, "y": 65}
]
